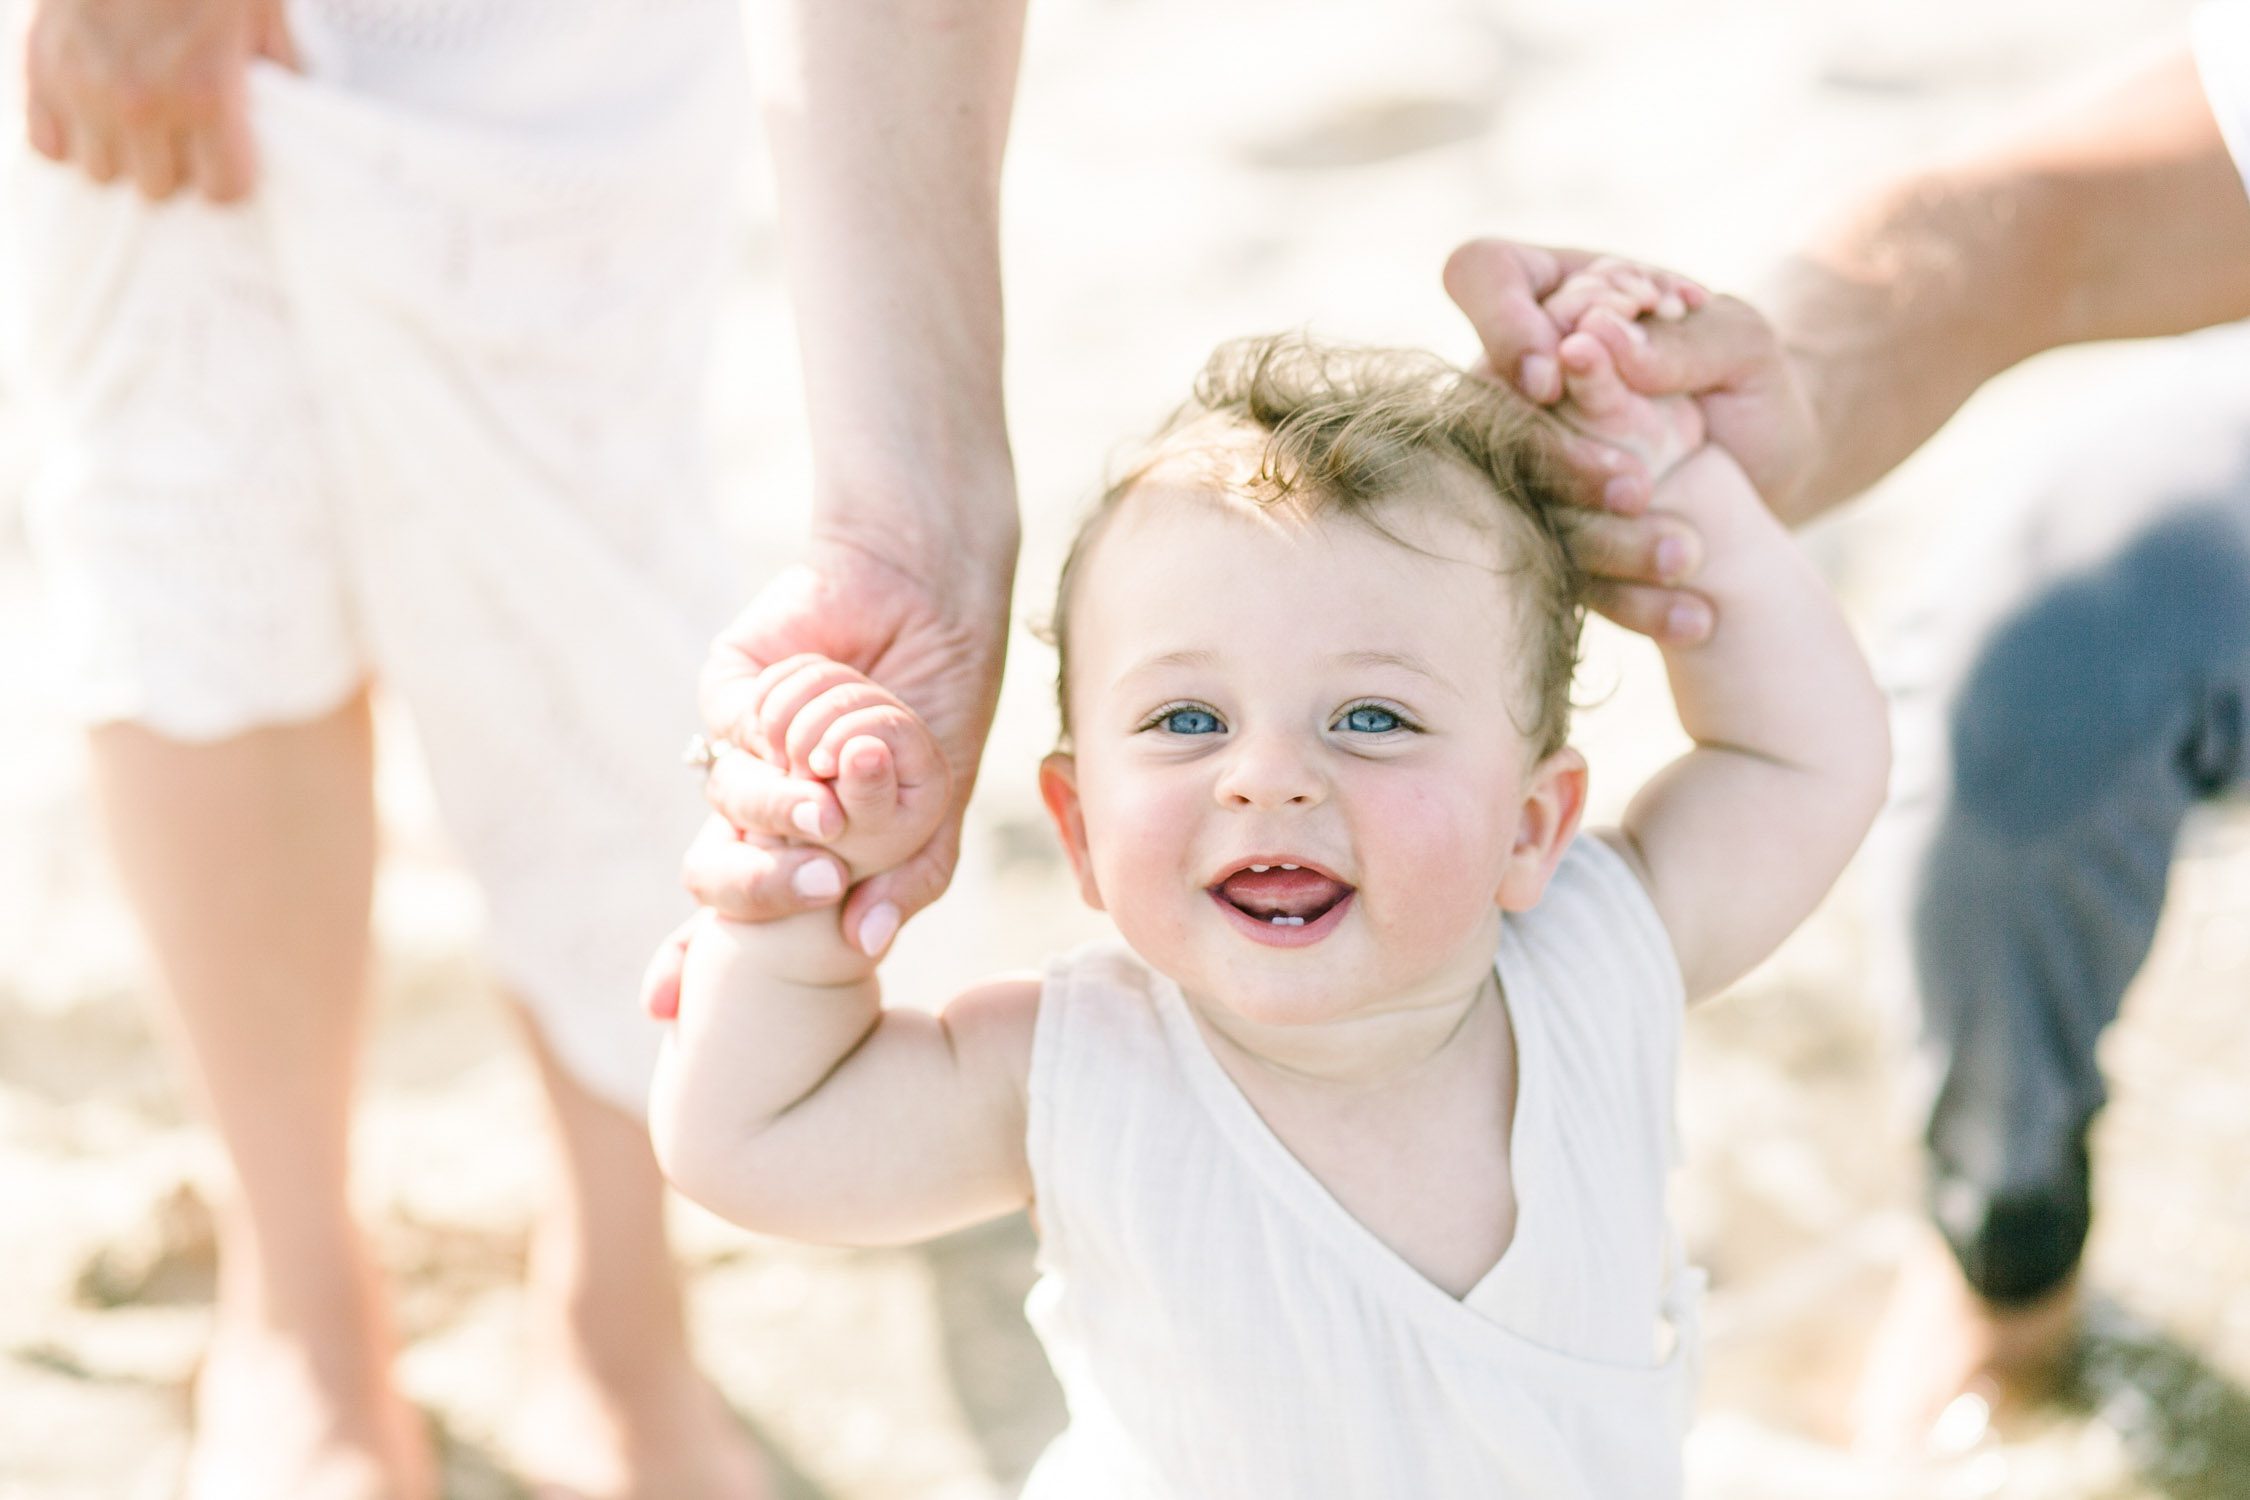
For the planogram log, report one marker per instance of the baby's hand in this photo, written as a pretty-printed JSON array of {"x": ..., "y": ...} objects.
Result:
[
  {"x": 1627, "y": 288},
  {"x": 1596, "y": 307},
  {"x": 821, "y": 720}
]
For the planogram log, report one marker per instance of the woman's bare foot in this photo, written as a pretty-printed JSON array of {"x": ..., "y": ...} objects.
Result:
[
  {"x": 626, "y": 1424},
  {"x": 1944, "y": 1362},
  {"x": 298, "y": 1404}
]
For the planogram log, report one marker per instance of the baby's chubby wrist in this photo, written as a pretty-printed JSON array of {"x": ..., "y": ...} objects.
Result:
[{"x": 807, "y": 949}]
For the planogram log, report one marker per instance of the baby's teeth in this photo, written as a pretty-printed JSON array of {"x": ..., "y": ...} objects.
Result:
[
  {"x": 1288, "y": 921},
  {"x": 1289, "y": 867},
  {"x": 1260, "y": 869}
]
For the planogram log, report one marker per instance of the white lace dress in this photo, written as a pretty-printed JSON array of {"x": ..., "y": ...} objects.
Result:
[{"x": 427, "y": 409}]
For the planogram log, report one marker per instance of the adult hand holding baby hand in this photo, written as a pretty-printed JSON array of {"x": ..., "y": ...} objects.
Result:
[
  {"x": 816, "y": 721},
  {"x": 1718, "y": 349},
  {"x": 831, "y": 725},
  {"x": 773, "y": 849},
  {"x": 151, "y": 89}
]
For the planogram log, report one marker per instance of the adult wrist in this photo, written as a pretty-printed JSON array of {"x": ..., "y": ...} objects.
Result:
[{"x": 956, "y": 530}]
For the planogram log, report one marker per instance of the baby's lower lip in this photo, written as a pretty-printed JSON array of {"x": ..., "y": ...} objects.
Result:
[{"x": 1281, "y": 935}]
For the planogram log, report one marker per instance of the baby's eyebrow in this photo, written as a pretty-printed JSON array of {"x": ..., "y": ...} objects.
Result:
[
  {"x": 1405, "y": 661},
  {"x": 1167, "y": 661}
]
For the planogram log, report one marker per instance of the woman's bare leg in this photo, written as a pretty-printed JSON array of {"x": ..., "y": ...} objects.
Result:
[
  {"x": 250, "y": 865},
  {"x": 614, "y": 1406}
]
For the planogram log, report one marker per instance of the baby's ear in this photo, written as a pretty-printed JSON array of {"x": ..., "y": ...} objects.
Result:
[
  {"x": 1058, "y": 788},
  {"x": 1554, "y": 799}
]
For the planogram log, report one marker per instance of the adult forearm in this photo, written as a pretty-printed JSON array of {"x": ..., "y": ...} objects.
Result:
[
  {"x": 1896, "y": 317},
  {"x": 888, "y": 121},
  {"x": 2119, "y": 217}
]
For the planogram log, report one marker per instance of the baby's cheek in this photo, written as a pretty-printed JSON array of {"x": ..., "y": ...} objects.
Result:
[
  {"x": 1435, "y": 861},
  {"x": 1137, "y": 843}
]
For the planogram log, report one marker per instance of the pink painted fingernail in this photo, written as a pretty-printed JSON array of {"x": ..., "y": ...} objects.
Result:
[
  {"x": 818, "y": 880},
  {"x": 806, "y": 816},
  {"x": 1620, "y": 493},
  {"x": 877, "y": 928},
  {"x": 1685, "y": 622}
]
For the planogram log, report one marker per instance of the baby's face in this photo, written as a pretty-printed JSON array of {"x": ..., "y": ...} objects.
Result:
[{"x": 1253, "y": 691}]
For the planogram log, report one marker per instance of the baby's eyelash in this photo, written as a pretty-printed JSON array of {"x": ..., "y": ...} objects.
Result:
[
  {"x": 1405, "y": 724},
  {"x": 1155, "y": 720}
]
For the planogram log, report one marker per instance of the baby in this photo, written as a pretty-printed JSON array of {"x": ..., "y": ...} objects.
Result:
[{"x": 1348, "y": 1159}]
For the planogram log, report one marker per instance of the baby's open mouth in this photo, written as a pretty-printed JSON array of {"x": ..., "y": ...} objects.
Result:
[{"x": 1283, "y": 895}]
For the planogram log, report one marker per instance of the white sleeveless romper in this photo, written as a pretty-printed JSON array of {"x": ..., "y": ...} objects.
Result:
[
  {"x": 1224, "y": 1330},
  {"x": 428, "y": 408}
]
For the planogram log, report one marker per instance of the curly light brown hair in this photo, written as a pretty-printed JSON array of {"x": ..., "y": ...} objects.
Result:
[{"x": 1351, "y": 430}]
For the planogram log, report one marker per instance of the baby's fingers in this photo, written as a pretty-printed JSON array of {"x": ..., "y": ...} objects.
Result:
[
  {"x": 915, "y": 758},
  {"x": 866, "y": 783},
  {"x": 1627, "y": 289},
  {"x": 1591, "y": 382},
  {"x": 782, "y": 694},
  {"x": 1628, "y": 298},
  {"x": 660, "y": 982},
  {"x": 846, "y": 709},
  {"x": 1675, "y": 296}
]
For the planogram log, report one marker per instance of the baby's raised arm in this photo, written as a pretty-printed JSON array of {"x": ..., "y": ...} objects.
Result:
[
  {"x": 1739, "y": 838},
  {"x": 787, "y": 1098}
]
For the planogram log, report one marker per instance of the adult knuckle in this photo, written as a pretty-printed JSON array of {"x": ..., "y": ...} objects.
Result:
[
  {"x": 199, "y": 98},
  {"x": 232, "y": 185},
  {"x": 71, "y": 72},
  {"x": 1607, "y": 554},
  {"x": 1594, "y": 543},
  {"x": 733, "y": 790},
  {"x": 1629, "y": 607},
  {"x": 135, "y": 102}
]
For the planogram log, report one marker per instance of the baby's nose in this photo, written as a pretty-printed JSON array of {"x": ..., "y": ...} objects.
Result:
[{"x": 1271, "y": 771}]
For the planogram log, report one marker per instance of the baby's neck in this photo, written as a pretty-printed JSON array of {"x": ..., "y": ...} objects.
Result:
[{"x": 1368, "y": 1052}]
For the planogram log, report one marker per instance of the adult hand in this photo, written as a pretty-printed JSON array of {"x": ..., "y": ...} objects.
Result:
[
  {"x": 936, "y": 636},
  {"x": 1725, "y": 355},
  {"x": 154, "y": 90}
]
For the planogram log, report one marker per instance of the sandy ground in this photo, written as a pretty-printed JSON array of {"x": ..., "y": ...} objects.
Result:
[{"x": 1184, "y": 172}]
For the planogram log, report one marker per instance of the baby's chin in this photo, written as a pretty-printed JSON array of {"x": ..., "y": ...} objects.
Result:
[{"x": 1295, "y": 990}]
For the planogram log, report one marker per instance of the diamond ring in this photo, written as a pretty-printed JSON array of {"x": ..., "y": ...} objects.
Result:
[{"x": 702, "y": 753}]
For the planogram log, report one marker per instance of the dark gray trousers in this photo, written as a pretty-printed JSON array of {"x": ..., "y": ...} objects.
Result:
[{"x": 2076, "y": 687}]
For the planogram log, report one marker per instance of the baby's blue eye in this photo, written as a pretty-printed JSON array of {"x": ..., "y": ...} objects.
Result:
[
  {"x": 1190, "y": 721},
  {"x": 1368, "y": 719}
]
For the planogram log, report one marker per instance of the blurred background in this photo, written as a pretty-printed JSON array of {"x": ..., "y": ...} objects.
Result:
[{"x": 1183, "y": 172}]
